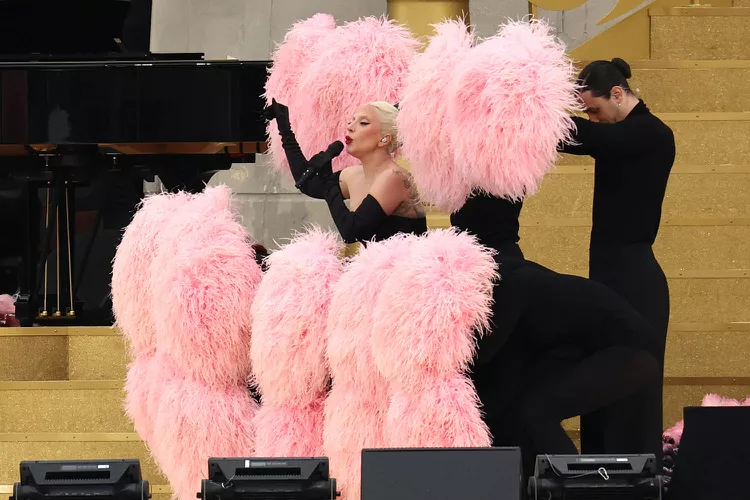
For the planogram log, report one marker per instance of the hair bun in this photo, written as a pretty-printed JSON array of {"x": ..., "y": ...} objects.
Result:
[{"x": 622, "y": 67}]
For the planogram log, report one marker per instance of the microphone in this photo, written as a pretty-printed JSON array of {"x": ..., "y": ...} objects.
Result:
[{"x": 323, "y": 157}]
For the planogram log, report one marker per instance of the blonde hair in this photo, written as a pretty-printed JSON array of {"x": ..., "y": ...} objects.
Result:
[{"x": 387, "y": 115}]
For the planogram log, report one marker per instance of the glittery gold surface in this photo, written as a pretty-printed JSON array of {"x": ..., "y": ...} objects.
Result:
[
  {"x": 562, "y": 195},
  {"x": 712, "y": 142},
  {"x": 707, "y": 354},
  {"x": 565, "y": 249},
  {"x": 687, "y": 196},
  {"x": 33, "y": 358},
  {"x": 96, "y": 358},
  {"x": 742, "y": 3},
  {"x": 63, "y": 411},
  {"x": 693, "y": 90},
  {"x": 11, "y": 453},
  {"x": 709, "y": 300},
  {"x": 700, "y": 37},
  {"x": 566, "y": 159},
  {"x": 708, "y": 195}
]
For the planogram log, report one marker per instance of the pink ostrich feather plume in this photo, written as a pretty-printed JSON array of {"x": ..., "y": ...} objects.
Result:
[
  {"x": 131, "y": 286},
  {"x": 350, "y": 328},
  {"x": 511, "y": 108},
  {"x": 718, "y": 400},
  {"x": 195, "y": 421},
  {"x": 360, "y": 62},
  {"x": 143, "y": 385},
  {"x": 444, "y": 415},
  {"x": 8, "y": 311},
  {"x": 423, "y": 124},
  {"x": 431, "y": 309},
  {"x": 290, "y": 60},
  {"x": 204, "y": 280},
  {"x": 7, "y": 304},
  {"x": 353, "y": 421},
  {"x": 289, "y": 431},
  {"x": 290, "y": 313},
  {"x": 356, "y": 406}
]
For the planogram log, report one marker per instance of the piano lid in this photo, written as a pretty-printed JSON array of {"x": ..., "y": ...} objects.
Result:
[
  {"x": 61, "y": 26},
  {"x": 69, "y": 75}
]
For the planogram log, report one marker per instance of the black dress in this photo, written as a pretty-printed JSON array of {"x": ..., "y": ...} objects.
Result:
[
  {"x": 526, "y": 386},
  {"x": 634, "y": 158}
]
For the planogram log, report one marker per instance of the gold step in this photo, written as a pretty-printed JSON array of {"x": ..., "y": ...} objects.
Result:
[
  {"x": 158, "y": 491},
  {"x": 678, "y": 248},
  {"x": 63, "y": 406},
  {"x": 15, "y": 447},
  {"x": 720, "y": 89},
  {"x": 707, "y": 300},
  {"x": 700, "y": 33},
  {"x": 689, "y": 195},
  {"x": 742, "y": 3},
  {"x": 701, "y": 139},
  {"x": 62, "y": 353}
]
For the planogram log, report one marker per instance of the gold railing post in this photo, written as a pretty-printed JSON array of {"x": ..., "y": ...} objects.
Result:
[
  {"x": 533, "y": 11},
  {"x": 418, "y": 15}
]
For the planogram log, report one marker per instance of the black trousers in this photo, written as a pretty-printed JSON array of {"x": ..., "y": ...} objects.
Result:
[
  {"x": 634, "y": 273},
  {"x": 523, "y": 377}
]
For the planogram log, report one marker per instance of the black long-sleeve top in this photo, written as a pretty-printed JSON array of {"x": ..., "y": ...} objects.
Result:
[{"x": 633, "y": 160}]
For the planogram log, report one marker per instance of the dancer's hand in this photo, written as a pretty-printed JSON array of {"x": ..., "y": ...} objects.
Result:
[{"x": 279, "y": 112}]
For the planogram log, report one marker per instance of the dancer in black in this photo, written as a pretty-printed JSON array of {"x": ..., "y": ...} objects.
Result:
[
  {"x": 383, "y": 197},
  {"x": 525, "y": 393},
  {"x": 634, "y": 153}
]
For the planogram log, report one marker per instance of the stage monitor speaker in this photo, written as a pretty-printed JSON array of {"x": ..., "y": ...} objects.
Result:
[
  {"x": 268, "y": 479},
  {"x": 713, "y": 458},
  {"x": 114, "y": 479},
  {"x": 587, "y": 477},
  {"x": 442, "y": 474}
]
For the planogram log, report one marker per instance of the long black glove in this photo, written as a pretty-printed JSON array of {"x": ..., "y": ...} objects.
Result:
[
  {"x": 360, "y": 225},
  {"x": 298, "y": 164}
]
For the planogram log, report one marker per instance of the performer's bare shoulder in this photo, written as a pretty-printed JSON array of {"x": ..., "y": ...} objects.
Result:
[{"x": 411, "y": 206}]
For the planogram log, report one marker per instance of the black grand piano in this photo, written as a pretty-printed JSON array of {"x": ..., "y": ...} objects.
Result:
[{"x": 87, "y": 113}]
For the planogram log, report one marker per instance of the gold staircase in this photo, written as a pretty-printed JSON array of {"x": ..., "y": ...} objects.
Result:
[
  {"x": 695, "y": 81},
  {"x": 61, "y": 388},
  {"x": 61, "y": 398}
]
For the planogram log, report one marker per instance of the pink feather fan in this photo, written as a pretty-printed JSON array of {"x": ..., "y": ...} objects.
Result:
[
  {"x": 291, "y": 58},
  {"x": 358, "y": 401},
  {"x": 362, "y": 61},
  {"x": 194, "y": 421},
  {"x": 131, "y": 286},
  {"x": 8, "y": 311},
  {"x": 423, "y": 125},
  {"x": 509, "y": 109},
  {"x": 204, "y": 281},
  {"x": 288, "y": 345},
  {"x": 427, "y": 318}
]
